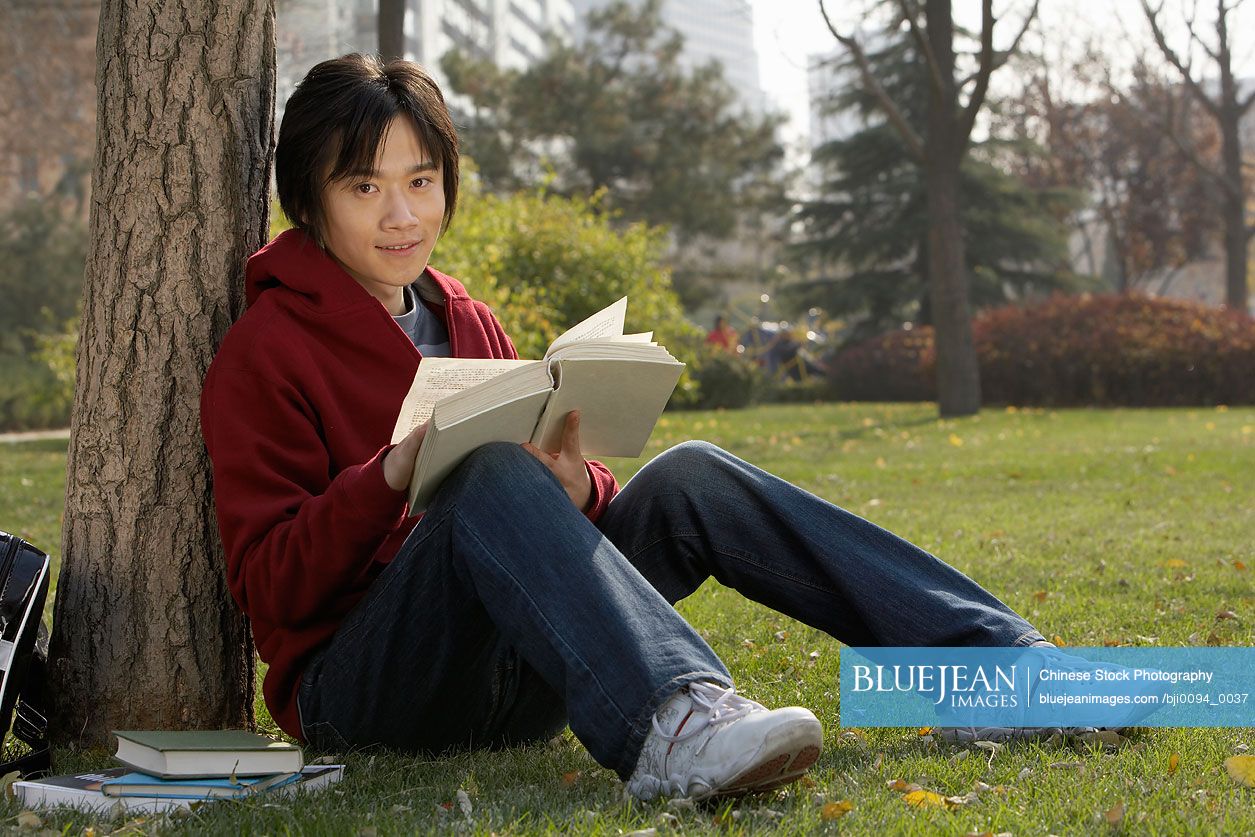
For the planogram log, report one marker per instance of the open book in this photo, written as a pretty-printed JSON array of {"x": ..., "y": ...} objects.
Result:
[{"x": 619, "y": 382}]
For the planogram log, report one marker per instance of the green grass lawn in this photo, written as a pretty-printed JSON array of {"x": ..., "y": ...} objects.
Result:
[{"x": 1113, "y": 526}]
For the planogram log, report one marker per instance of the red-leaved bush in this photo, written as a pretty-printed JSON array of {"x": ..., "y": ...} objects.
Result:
[
  {"x": 1108, "y": 350},
  {"x": 891, "y": 367}
]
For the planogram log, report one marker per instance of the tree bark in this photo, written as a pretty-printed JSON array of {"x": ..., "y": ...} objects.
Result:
[
  {"x": 145, "y": 634},
  {"x": 958, "y": 374},
  {"x": 391, "y": 29},
  {"x": 1234, "y": 206}
]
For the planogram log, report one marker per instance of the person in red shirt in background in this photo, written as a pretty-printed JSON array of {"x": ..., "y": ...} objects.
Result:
[
  {"x": 534, "y": 592},
  {"x": 722, "y": 335}
]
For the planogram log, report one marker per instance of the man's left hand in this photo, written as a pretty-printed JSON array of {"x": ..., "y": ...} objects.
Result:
[{"x": 568, "y": 464}]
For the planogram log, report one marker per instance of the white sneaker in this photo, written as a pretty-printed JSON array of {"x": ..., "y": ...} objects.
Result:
[
  {"x": 1060, "y": 660},
  {"x": 709, "y": 741}
]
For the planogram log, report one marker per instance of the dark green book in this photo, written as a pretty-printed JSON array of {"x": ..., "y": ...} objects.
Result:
[{"x": 206, "y": 754}]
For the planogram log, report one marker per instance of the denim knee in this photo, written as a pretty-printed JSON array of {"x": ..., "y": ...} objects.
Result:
[
  {"x": 496, "y": 475},
  {"x": 687, "y": 464}
]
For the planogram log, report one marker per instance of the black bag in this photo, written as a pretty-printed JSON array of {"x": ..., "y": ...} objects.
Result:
[{"x": 24, "y": 574}]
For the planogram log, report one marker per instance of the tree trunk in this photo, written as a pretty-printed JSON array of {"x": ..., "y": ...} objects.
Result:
[
  {"x": 1234, "y": 207},
  {"x": 1235, "y": 249},
  {"x": 958, "y": 375},
  {"x": 145, "y": 634},
  {"x": 391, "y": 29}
]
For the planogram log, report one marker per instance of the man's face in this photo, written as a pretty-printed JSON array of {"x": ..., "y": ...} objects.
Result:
[{"x": 381, "y": 226}]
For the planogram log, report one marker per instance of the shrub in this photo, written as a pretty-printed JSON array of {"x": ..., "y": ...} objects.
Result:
[
  {"x": 32, "y": 396},
  {"x": 545, "y": 262},
  {"x": 43, "y": 250},
  {"x": 725, "y": 380},
  {"x": 1127, "y": 350},
  {"x": 1109, "y": 350},
  {"x": 891, "y": 367},
  {"x": 815, "y": 388}
]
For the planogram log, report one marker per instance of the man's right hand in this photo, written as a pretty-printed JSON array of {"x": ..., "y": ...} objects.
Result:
[{"x": 398, "y": 465}]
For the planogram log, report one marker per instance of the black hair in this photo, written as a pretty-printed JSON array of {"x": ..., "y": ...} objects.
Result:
[{"x": 335, "y": 122}]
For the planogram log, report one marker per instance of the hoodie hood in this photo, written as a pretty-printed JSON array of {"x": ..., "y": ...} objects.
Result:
[{"x": 293, "y": 260}]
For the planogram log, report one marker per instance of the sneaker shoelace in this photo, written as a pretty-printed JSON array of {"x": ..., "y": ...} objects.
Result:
[{"x": 721, "y": 706}]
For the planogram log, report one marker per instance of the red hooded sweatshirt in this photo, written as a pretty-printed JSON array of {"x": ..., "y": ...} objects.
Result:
[{"x": 297, "y": 413}]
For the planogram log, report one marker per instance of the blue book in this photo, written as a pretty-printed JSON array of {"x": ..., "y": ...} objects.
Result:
[{"x": 142, "y": 784}]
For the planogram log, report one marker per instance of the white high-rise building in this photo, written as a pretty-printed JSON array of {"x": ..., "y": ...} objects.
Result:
[
  {"x": 511, "y": 33},
  {"x": 713, "y": 30}
]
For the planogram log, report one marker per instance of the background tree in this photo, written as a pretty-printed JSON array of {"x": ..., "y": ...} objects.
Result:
[
  {"x": 47, "y": 118},
  {"x": 939, "y": 151},
  {"x": 1226, "y": 104},
  {"x": 145, "y": 635},
  {"x": 391, "y": 29},
  {"x": 617, "y": 111},
  {"x": 1148, "y": 210},
  {"x": 869, "y": 228}
]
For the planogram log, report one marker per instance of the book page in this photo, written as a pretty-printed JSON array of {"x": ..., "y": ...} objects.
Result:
[
  {"x": 446, "y": 445},
  {"x": 619, "y": 402},
  {"x": 440, "y": 377},
  {"x": 608, "y": 322}
]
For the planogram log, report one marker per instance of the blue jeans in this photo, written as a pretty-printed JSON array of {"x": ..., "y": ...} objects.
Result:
[{"x": 507, "y": 614}]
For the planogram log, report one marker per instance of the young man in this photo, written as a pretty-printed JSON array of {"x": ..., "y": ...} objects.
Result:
[{"x": 533, "y": 593}]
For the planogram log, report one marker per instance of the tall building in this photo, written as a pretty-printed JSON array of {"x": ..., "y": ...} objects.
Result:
[
  {"x": 511, "y": 33},
  {"x": 714, "y": 30}
]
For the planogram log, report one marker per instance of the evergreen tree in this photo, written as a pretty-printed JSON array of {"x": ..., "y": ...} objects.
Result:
[
  {"x": 617, "y": 111},
  {"x": 866, "y": 234}
]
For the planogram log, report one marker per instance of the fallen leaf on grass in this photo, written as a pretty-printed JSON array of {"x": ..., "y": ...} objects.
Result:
[
  {"x": 569, "y": 779},
  {"x": 902, "y": 786},
  {"x": 781, "y": 636},
  {"x": 1241, "y": 769},
  {"x": 1174, "y": 761},
  {"x": 924, "y": 731},
  {"x": 1114, "y": 815},
  {"x": 851, "y": 736},
  {"x": 29, "y": 819},
  {"x": 1041, "y": 595},
  {"x": 7, "y": 781},
  {"x": 1226, "y": 614},
  {"x": 1058, "y": 640},
  {"x": 1066, "y": 765},
  {"x": 930, "y": 799},
  {"x": 836, "y": 810},
  {"x": 1107, "y": 737},
  {"x": 1175, "y": 564},
  {"x": 1239, "y": 566}
]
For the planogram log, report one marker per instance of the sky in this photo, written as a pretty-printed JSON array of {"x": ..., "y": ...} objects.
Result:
[{"x": 786, "y": 32}]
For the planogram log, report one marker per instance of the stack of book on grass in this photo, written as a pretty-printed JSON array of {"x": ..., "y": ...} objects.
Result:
[{"x": 163, "y": 770}]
